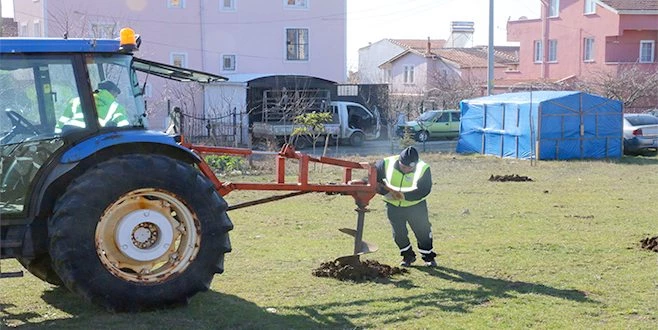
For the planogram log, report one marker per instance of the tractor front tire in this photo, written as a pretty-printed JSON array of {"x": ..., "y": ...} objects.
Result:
[{"x": 139, "y": 232}]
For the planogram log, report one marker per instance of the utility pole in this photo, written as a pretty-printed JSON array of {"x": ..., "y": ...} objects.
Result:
[{"x": 490, "y": 56}]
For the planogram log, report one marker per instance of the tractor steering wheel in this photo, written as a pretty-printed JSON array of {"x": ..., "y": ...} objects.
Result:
[{"x": 20, "y": 125}]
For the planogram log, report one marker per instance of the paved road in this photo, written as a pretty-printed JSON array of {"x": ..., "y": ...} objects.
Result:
[{"x": 385, "y": 147}]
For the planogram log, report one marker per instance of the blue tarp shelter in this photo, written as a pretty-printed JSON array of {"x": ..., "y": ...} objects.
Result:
[{"x": 546, "y": 125}]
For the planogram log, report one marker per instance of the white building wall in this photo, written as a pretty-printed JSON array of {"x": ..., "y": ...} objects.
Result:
[{"x": 372, "y": 56}]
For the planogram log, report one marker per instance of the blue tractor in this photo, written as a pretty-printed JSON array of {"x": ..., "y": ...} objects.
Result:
[{"x": 90, "y": 199}]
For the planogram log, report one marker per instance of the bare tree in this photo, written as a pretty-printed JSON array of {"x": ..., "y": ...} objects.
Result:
[
  {"x": 282, "y": 106},
  {"x": 186, "y": 97},
  {"x": 446, "y": 91},
  {"x": 630, "y": 84},
  {"x": 70, "y": 22}
]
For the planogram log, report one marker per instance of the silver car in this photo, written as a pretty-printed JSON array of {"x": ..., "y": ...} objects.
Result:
[{"x": 640, "y": 134}]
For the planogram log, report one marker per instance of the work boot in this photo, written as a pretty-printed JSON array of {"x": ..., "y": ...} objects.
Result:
[
  {"x": 431, "y": 263},
  {"x": 407, "y": 261}
]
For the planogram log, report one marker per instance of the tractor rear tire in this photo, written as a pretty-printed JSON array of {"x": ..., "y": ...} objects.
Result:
[
  {"x": 41, "y": 268},
  {"x": 139, "y": 232}
]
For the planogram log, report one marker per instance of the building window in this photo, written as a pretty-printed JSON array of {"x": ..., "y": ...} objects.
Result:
[
  {"x": 178, "y": 59},
  {"x": 588, "y": 49},
  {"x": 102, "y": 30},
  {"x": 227, "y": 5},
  {"x": 175, "y": 3},
  {"x": 552, "y": 50},
  {"x": 297, "y": 4},
  {"x": 647, "y": 51},
  {"x": 590, "y": 7},
  {"x": 554, "y": 8},
  {"x": 297, "y": 44},
  {"x": 37, "y": 28},
  {"x": 23, "y": 31},
  {"x": 539, "y": 51},
  {"x": 228, "y": 62},
  {"x": 408, "y": 74}
]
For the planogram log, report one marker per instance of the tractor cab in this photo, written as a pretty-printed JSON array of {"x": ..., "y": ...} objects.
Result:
[{"x": 55, "y": 93}]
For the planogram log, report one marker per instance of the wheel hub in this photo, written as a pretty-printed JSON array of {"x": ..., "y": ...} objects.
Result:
[{"x": 144, "y": 235}]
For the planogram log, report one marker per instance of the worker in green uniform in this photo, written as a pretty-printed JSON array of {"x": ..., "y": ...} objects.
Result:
[
  {"x": 405, "y": 182},
  {"x": 110, "y": 112}
]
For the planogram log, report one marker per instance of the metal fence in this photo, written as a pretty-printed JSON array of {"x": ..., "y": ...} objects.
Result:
[{"x": 226, "y": 130}]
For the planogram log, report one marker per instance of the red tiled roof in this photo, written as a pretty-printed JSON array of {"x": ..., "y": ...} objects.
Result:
[
  {"x": 465, "y": 57},
  {"x": 419, "y": 45},
  {"x": 632, "y": 4},
  {"x": 477, "y": 57}
]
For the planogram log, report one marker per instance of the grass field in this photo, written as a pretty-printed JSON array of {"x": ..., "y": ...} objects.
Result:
[{"x": 559, "y": 252}]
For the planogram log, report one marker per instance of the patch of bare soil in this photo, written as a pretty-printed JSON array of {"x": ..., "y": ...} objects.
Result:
[
  {"x": 650, "y": 243},
  {"x": 356, "y": 270},
  {"x": 509, "y": 177}
]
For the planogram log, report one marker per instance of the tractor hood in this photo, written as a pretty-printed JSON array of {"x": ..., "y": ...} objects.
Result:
[{"x": 172, "y": 72}]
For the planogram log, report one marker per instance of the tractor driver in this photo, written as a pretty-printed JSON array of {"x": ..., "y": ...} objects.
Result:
[{"x": 110, "y": 113}]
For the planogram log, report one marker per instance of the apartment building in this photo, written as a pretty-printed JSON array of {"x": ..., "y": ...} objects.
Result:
[{"x": 226, "y": 37}]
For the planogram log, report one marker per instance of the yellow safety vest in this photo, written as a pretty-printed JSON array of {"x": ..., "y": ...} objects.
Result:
[
  {"x": 108, "y": 110},
  {"x": 398, "y": 181}
]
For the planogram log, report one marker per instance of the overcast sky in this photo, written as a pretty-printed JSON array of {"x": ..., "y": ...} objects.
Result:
[{"x": 373, "y": 20}]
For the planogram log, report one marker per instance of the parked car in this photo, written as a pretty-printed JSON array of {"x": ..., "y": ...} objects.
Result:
[
  {"x": 640, "y": 134},
  {"x": 433, "y": 124}
]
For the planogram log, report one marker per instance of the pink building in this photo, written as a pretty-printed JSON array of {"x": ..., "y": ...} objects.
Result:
[
  {"x": 301, "y": 37},
  {"x": 578, "y": 38}
]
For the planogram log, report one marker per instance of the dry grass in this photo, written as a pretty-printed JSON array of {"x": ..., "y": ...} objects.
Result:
[{"x": 562, "y": 251}]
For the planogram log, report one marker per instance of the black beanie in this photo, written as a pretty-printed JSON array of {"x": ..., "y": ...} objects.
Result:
[
  {"x": 109, "y": 86},
  {"x": 409, "y": 156}
]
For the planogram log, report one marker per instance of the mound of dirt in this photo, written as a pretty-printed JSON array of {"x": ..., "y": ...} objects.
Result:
[
  {"x": 509, "y": 177},
  {"x": 650, "y": 243},
  {"x": 355, "y": 270}
]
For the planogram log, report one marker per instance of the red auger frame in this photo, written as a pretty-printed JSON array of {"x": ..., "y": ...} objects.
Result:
[{"x": 362, "y": 191}]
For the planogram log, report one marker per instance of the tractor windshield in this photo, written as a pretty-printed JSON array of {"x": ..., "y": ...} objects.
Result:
[
  {"x": 115, "y": 74},
  {"x": 44, "y": 96}
]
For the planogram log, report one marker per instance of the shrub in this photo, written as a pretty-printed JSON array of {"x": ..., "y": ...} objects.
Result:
[{"x": 226, "y": 163}]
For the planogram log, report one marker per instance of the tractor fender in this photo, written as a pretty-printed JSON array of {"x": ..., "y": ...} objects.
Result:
[
  {"x": 94, "y": 144},
  {"x": 85, "y": 154}
]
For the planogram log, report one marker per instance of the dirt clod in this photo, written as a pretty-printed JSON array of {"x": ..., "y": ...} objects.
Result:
[
  {"x": 355, "y": 270},
  {"x": 650, "y": 243},
  {"x": 509, "y": 177}
]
